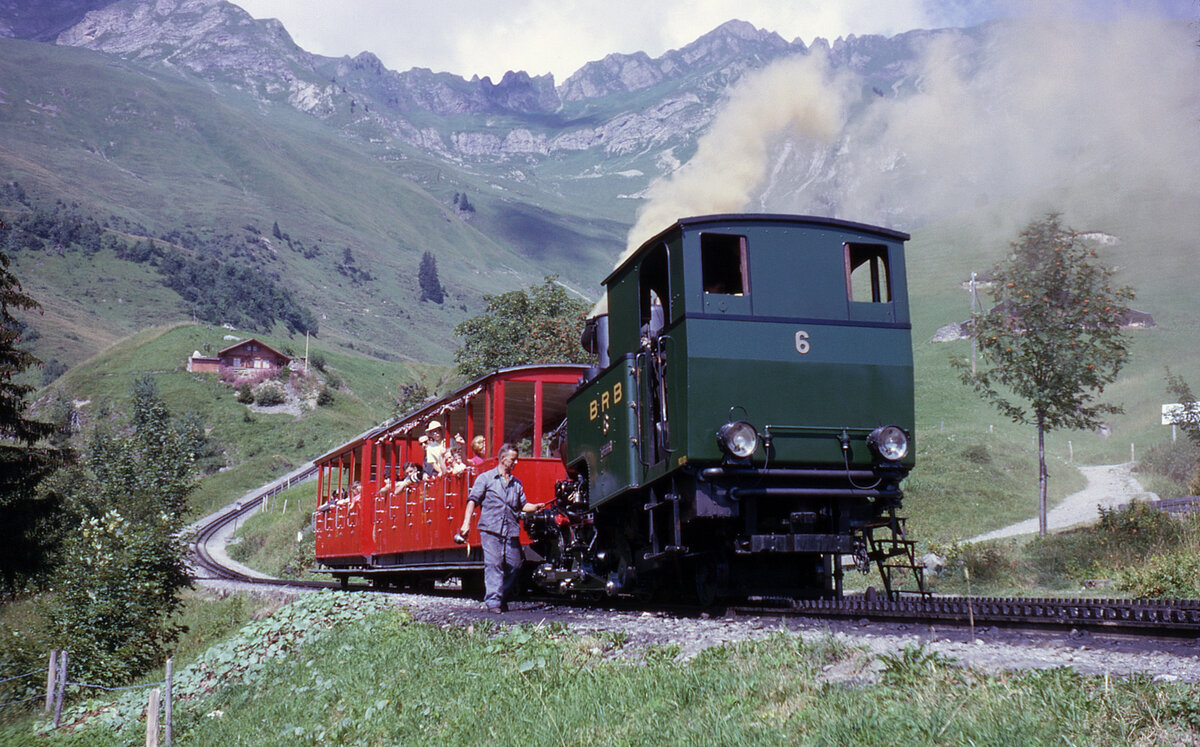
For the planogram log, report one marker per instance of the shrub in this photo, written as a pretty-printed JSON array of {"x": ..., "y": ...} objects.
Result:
[
  {"x": 1172, "y": 575},
  {"x": 987, "y": 562},
  {"x": 116, "y": 596},
  {"x": 1176, "y": 461},
  {"x": 245, "y": 394},
  {"x": 325, "y": 397},
  {"x": 270, "y": 393}
]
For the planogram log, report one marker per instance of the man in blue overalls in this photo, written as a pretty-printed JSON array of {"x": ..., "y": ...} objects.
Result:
[{"x": 501, "y": 499}]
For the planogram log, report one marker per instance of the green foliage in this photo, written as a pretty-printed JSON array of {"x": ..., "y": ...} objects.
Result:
[
  {"x": 427, "y": 278},
  {"x": 410, "y": 397},
  {"x": 1053, "y": 337},
  {"x": 122, "y": 569},
  {"x": 325, "y": 396},
  {"x": 1176, "y": 461},
  {"x": 912, "y": 666},
  {"x": 221, "y": 288},
  {"x": 345, "y": 669},
  {"x": 112, "y": 606},
  {"x": 270, "y": 392},
  {"x": 1189, "y": 421},
  {"x": 537, "y": 325},
  {"x": 1173, "y": 575},
  {"x": 245, "y": 393},
  {"x": 24, "y": 461}
]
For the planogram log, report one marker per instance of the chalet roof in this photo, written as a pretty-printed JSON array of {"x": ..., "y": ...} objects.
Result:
[{"x": 250, "y": 340}]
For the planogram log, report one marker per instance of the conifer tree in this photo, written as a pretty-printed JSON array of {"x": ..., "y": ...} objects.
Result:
[
  {"x": 25, "y": 457},
  {"x": 427, "y": 278}
]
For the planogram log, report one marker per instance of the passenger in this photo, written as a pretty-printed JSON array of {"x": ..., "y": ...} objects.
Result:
[
  {"x": 501, "y": 499},
  {"x": 386, "y": 488},
  {"x": 455, "y": 465},
  {"x": 478, "y": 451},
  {"x": 412, "y": 476},
  {"x": 435, "y": 449}
]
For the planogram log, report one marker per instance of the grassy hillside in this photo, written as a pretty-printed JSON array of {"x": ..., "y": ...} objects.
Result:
[
  {"x": 167, "y": 156},
  {"x": 255, "y": 446}
]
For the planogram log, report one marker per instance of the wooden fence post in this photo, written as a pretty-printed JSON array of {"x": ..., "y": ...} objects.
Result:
[
  {"x": 51, "y": 678},
  {"x": 59, "y": 686},
  {"x": 167, "y": 735},
  {"x": 152, "y": 719}
]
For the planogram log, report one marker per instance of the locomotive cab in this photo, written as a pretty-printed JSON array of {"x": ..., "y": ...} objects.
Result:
[{"x": 751, "y": 420}]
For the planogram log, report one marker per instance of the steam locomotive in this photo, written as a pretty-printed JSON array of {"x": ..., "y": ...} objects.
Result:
[{"x": 742, "y": 434}]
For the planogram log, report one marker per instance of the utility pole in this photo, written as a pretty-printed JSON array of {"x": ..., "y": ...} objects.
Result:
[{"x": 974, "y": 309}]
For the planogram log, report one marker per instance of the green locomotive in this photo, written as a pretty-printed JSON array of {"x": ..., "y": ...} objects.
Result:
[{"x": 749, "y": 420}]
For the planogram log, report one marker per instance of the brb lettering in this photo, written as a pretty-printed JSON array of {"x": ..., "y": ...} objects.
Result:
[{"x": 606, "y": 400}]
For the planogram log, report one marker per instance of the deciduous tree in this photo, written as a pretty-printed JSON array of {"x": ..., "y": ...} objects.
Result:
[
  {"x": 537, "y": 325},
  {"x": 125, "y": 564},
  {"x": 1052, "y": 340}
]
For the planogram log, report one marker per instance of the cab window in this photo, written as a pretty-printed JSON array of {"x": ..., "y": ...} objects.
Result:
[
  {"x": 723, "y": 264},
  {"x": 867, "y": 277}
]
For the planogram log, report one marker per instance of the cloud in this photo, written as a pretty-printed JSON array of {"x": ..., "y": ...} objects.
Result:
[{"x": 560, "y": 36}]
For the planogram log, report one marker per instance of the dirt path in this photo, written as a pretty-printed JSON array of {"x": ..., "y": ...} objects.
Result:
[{"x": 1107, "y": 485}]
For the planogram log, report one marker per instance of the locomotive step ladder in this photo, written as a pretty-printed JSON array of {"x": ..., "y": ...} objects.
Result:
[{"x": 894, "y": 553}]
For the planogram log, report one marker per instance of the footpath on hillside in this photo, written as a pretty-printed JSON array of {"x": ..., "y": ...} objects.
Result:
[{"x": 1108, "y": 486}]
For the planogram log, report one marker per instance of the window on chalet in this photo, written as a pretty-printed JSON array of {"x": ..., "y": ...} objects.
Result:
[
  {"x": 867, "y": 277},
  {"x": 723, "y": 264}
]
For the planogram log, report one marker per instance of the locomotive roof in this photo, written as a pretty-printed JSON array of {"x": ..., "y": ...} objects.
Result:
[{"x": 811, "y": 220}]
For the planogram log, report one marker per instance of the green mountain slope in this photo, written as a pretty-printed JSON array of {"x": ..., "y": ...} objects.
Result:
[{"x": 168, "y": 157}]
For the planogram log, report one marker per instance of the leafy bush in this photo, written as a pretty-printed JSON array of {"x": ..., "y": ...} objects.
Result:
[
  {"x": 1176, "y": 461},
  {"x": 270, "y": 393},
  {"x": 325, "y": 397},
  {"x": 245, "y": 394},
  {"x": 987, "y": 562},
  {"x": 1171, "y": 575},
  {"x": 1123, "y": 538},
  {"x": 112, "y": 604}
]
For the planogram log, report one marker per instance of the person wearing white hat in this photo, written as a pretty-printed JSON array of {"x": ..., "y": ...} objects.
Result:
[{"x": 435, "y": 449}]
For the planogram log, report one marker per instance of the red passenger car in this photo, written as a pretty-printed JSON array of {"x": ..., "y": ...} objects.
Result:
[{"x": 406, "y": 536}]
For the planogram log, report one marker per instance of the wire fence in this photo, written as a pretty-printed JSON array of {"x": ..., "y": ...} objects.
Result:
[{"x": 57, "y": 682}]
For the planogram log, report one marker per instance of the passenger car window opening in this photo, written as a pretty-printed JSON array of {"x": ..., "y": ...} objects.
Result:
[
  {"x": 867, "y": 276},
  {"x": 723, "y": 264}
]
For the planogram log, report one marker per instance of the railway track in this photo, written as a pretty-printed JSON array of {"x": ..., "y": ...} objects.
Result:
[
  {"x": 1146, "y": 617},
  {"x": 1150, "y": 618}
]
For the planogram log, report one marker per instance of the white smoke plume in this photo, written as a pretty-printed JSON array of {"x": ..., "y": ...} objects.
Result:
[
  {"x": 1034, "y": 114},
  {"x": 794, "y": 98}
]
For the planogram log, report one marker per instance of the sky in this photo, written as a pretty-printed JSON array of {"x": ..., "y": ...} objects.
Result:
[{"x": 469, "y": 37}]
